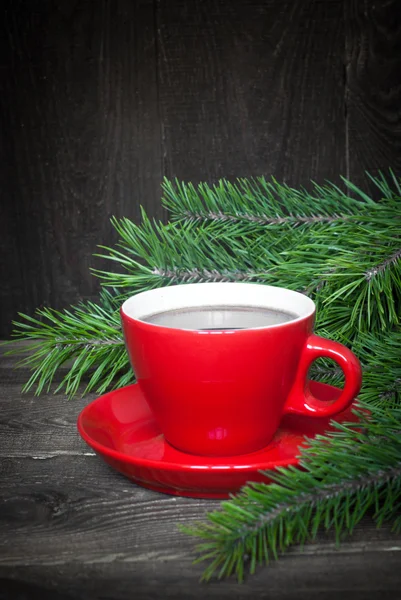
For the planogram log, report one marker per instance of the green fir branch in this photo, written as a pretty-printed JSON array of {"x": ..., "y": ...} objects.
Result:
[
  {"x": 153, "y": 254},
  {"x": 258, "y": 202},
  {"x": 353, "y": 270},
  {"x": 86, "y": 340},
  {"x": 173, "y": 255},
  {"x": 380, "y": 358},
  {"x": 358, "y": 277},
  {"x": 264, "y": 203},
  {"x": 344, "y": 475}
]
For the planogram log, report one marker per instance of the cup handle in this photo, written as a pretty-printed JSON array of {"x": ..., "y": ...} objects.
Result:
[{"x": 301, "y": 401}]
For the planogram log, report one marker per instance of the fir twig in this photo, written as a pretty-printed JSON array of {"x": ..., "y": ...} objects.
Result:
[
  {"x": 384, "y": 265},
  {"x": 260, "y": 220},
  {"x": 344, "y": 475},
  {"x": 87, "y": 338},
  {"x": 261, "y": 202},
  {"x": 331, "y": 264},
  {"x": 154, "y": 254},
  {"x": 380, "y": 357}
]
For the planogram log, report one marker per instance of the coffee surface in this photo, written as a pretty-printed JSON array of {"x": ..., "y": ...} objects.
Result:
[{"x": 220, "y": 318}]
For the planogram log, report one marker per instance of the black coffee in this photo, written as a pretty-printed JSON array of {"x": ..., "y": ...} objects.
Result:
[{"x": 220, "y": 317}]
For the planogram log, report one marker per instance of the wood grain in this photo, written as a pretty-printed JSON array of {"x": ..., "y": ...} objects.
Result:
[
  {"x": 76, "y": 515},
  {"x": 252, "y": 88},
  {"x": 373, "y": 88},
  {"x": 81, "y": 138},
  {"x": 63, "y": 508},
  {"x": 327, "y": 577},
  {"x": 39, "y": 427},
  {"x": 20, "y": 590}
]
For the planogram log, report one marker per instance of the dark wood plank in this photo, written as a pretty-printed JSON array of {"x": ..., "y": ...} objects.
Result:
[
  {"x": 373, "y": 94},
  {"x": 39, "y": 427},
  {"x": 74, "y": 525},
  {"x": 61, "y": 509},
  {"x": 349, "y": 578},
  {"x": 80, "y": 141},
  {"x": 20, "y": 590},
  {"x": 252, "y": 88}
]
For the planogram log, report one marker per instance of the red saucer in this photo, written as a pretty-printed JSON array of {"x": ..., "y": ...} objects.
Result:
[{"x": 120, "y": 427}]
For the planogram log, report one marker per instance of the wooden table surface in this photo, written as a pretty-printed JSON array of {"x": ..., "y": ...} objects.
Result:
[{"x": 72, "y": 528}]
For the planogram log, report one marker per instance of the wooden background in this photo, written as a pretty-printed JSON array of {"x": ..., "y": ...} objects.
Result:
[{"x": 100, "y": 99}]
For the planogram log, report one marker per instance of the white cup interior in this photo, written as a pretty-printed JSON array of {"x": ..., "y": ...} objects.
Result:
[{"x": 200, "y": 295}]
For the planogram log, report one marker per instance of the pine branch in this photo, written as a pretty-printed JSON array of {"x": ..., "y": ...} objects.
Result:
[
  {"x": 154, "y": 254},
  {"x": 263, "y": 203},
  {"x": 379, "y": 354},
  {"x": 344, "y": 475},
  {"x": 200, "y": 275},
  {"x": 87, "y": 339},
  {"x": 348, "y": 297},
  {"x": 261, "y": 219},
  {"x": 349, "y": 247},
  {"x": 326, "y": 262},
  {"x": 260, "y": 202},
  {"x": 393, "y": 259}
]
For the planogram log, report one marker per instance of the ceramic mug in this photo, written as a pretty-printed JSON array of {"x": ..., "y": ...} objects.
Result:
[{"x": 223, "y": 392}]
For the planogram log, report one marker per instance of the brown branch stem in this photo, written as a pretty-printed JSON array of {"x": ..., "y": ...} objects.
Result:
[
  {"x": 325, "y": 493},
  {"x": 390, "y": 260},
  {"x": 195, "y": 274},
  {"x": 263, "y": 219}
]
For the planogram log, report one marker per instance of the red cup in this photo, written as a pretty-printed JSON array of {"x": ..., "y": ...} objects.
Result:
[{"x": 224, "y": 392}]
